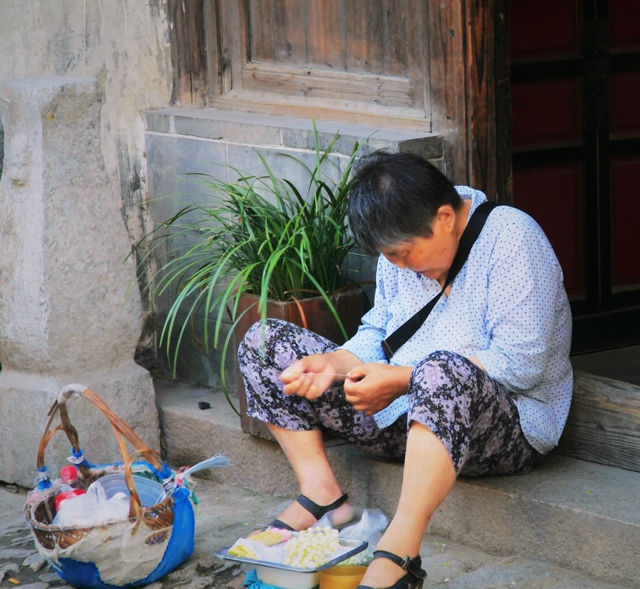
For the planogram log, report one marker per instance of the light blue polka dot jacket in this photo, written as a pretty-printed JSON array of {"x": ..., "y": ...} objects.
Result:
[{"x": 507, "y": 306}]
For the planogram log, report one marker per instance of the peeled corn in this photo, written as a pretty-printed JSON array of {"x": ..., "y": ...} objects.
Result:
[
  {"x": 271, "y": 536},
  {"x": 311, "y": 548},
  {"x": 239, "y": 549}
]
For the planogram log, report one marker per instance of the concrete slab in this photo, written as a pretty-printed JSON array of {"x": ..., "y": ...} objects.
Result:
[
  {"x": 575, "y": 514},
  {"x": 290, "y": 132},
  {"x": 226, "y": 512}
]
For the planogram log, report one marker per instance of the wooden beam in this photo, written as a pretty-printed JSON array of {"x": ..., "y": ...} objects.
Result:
[
  {"x": 481, "y": 100},
  {"x": 504, "y": 169},
  {"x": 448, "y": 77},
  {"x": 604, "y": 422},
  {"x": 462, "y": 60},
  {"x": 316, "y": 83},
  {"x": 216, "y": 28},
  {"x": 188, "y": 55}
]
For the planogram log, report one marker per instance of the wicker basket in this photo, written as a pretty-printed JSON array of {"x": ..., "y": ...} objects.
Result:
[{"x": 139, "y": 550}]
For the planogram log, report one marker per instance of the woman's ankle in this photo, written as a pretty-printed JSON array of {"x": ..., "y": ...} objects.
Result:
[
  {"x": 400, "y": 540},
  {"x": 382, "y": 573},
  {"x": 300, "y": 518}
]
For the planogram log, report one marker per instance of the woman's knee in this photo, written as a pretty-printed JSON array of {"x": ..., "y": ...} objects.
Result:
[
  {"x": 261, "y": 333},
  {"x": 444, "y": 370},
  {"x": 444, "y": 389}
]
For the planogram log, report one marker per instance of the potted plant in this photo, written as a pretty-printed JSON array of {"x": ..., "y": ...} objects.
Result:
[{"x": 266, "y": 248}]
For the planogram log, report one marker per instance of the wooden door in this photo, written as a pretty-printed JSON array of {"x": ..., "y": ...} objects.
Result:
[{"x": 575, "y": 99}]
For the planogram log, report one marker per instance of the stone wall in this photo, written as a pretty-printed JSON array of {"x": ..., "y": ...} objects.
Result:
[
  {"x": 65, "y": 312},
  {"x": 121, "y": 49},
  {"x": 125, "y": 45}
]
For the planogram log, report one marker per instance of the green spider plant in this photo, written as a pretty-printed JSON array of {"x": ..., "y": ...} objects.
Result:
[{"x": 261, "y": 235}]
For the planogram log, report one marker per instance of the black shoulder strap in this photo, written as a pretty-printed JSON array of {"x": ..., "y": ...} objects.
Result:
[{"x": 474, "y": 226}]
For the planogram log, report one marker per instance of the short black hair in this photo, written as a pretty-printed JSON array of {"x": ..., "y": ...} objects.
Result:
[{"x": 394, "y": 197}]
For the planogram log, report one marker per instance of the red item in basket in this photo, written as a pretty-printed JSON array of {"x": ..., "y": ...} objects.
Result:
[
  {"x": 69, "y": 474},
  {"x": 65, "y": 495},
  {"x": 69, "y": 478}
]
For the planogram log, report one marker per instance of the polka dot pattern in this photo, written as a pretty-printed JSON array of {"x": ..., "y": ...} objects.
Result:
[{"x": 507, "y": 307}]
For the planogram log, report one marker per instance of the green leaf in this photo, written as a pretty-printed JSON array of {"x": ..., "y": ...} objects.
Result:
[{"x": 260, "y": 234}]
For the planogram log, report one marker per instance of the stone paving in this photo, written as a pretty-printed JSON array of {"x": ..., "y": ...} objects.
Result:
[{"x": 225, "y": 513}]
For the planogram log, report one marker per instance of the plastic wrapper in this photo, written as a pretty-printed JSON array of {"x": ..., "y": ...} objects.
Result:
[
  {"x": 92, "y": 509},
  {"x": 368, "y": 529}
]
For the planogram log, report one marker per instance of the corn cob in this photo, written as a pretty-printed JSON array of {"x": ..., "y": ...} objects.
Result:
[
  {"x": 271, "y": 536},
  {"x": 243, "y": 551}
]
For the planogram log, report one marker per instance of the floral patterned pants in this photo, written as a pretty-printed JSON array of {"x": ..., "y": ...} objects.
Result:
[{"x": 473, "y": 415}]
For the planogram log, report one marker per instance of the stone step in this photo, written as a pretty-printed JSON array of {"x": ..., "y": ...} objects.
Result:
[{"x": 576, "y": 514}]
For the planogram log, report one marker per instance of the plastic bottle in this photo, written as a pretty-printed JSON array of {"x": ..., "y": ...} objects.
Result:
[
  {"x": 69, "y": 478},
  {"x": 69, "y": 475}
]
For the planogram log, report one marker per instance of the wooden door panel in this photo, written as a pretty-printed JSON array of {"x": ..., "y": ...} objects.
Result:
[
  {"x": 575, "y": 99},
  {"x": 624, "y": 24},
  {"x": 553, "y": 196},
  {"x": 625, "y": 102},
  {"x": 289, "y": 36},
  {"x": 397, "y": 54},
  {"x": 625, "y": 212},
  {"x": 362, "y": 60},
  {"x": 547, "y": 112},
  {"x": 325, "y": 23},
  {"x": 365, "y": 25},
  {"x": 260, "y": 26},
  {"x": 364, "y": 37},
  {"x": 544, "y": 28}
]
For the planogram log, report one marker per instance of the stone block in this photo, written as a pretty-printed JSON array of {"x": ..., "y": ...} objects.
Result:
[
  {"x": 170, "y": 161},
  {"x": 158, "y": 121},
  {"x": 25, "y": 399},
  {"x": 227, "y": 128},
  {"x": 69, "y": 309}
]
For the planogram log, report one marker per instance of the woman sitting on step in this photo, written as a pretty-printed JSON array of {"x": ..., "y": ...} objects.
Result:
[{"x": 482, "y": 387}]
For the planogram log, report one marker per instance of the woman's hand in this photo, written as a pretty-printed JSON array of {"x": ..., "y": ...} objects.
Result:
[
  {"x": 372, "y": 387},
  {"x": 313, "y": 375}
]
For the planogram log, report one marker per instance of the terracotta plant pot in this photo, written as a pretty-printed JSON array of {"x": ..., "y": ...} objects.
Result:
[{"x": 350, "y": 305}]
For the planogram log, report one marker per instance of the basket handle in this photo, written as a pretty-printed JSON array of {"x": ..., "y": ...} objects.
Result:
[{"x": 121, "y": 430}]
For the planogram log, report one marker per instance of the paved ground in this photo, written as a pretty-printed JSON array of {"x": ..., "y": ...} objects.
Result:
[{"x": 226, "y": 513}]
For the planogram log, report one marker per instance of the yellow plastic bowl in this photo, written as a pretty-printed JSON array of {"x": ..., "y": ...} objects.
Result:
[{"x": 346, "y": 576}]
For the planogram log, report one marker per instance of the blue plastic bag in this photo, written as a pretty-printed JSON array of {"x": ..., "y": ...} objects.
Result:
[{"x": 86, "y": 575}]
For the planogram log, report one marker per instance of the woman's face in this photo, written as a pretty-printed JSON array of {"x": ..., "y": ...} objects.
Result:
[{"x": 430, "y": 256}]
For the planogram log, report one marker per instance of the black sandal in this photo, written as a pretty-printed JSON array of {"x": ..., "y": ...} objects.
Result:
[
  {"x": 313, "y": 508},
  {"x": 414, "y": 579}
]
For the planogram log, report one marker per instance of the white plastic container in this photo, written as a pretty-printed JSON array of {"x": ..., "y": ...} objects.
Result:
[
  {"x": 287, "y": 579},
  {"x": 150, "y": 492}
]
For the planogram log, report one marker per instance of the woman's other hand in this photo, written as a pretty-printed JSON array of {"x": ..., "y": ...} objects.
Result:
[
  {"x": 372, "y": 387},
  {"x": 313, "y": 375}
]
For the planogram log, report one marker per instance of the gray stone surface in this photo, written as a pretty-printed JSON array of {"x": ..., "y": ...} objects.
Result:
[
  {"x": 577, "y": 515},
  {"x": 288, "y": 132},
  {"x": 226, "y": 512},
  {"x": 69, "y": 311},
  {"x": 125, "y": 45}
]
